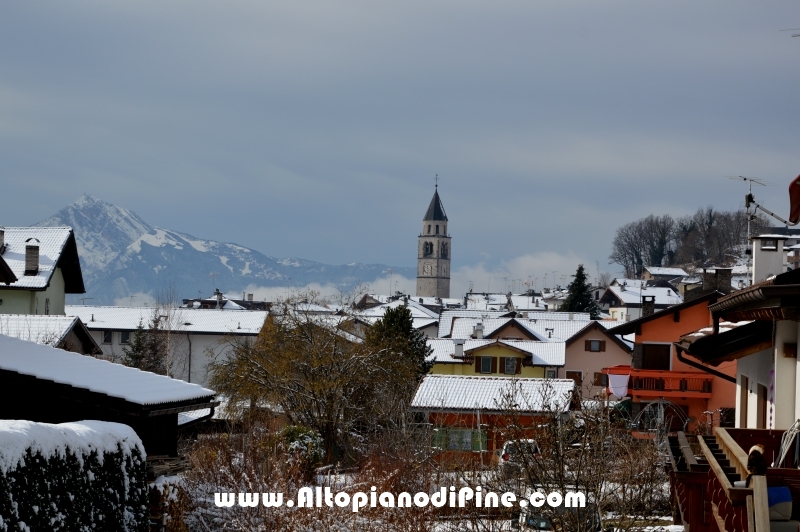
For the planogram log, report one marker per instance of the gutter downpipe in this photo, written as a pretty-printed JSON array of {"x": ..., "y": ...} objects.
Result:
[{"x": 679, "y": 351}]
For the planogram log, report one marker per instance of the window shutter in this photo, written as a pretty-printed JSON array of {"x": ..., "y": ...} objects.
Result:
[
  {"x": 602, "y": 345},
  {"x": 587, "y": 345},
  {"x": 477, "y": 364},
  {"x": 518, "y": 369},
  {"x": 494, "y": 364},
  {"x": 439, "y": 438},
  {"x": 479, "y": 440}
]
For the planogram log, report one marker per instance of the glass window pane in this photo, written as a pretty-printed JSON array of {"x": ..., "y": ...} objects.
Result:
[
  {"x": 511, "y": 365},
  {"x": 486, "y": 364}
]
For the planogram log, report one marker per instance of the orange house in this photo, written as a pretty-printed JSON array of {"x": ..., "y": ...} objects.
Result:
[{"x": 660, "y": 371}]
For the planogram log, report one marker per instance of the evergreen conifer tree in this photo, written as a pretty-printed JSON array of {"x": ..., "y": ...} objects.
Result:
[{"x": 579, "y": 297}]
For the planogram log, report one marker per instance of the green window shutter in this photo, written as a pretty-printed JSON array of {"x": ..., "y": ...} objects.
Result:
[
  {"x": 479, "y": 440},
  {"x": 439, "y": 438}
]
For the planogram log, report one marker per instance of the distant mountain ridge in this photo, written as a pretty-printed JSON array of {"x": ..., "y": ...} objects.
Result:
[{"x": 121, "y": 254}]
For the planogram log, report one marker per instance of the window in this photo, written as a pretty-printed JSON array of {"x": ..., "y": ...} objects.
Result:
[
  {"x": 460, "y": 439},
  {"x": 550, "y": 374},
  {"x": 429, "y": 229},
  {"x": 656, "y": 356},
  {"x": 577, "y": 376},
  {"x": 600, "y": 379},
  {"x": 437, "y": 229},
  {"x": 595, "y": 346},
  {"x": 769, "y": 245},
  {"x": 47, "y": 306},
  {"x": 486, "y": 364},
  {"x": 125, "y": 337},
  {"x": 510, "y": 366},
  {"x": 444, "y": 251},
  {"x": 106, "y": 337}
]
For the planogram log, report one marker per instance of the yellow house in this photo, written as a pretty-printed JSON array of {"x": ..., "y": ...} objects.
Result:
[{"x": 472, "y": 357}]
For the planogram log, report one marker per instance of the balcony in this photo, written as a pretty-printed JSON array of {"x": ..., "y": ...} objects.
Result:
[{"x": 653, "y": 383}]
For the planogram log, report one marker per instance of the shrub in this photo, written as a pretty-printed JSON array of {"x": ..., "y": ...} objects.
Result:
[{"x": 89, "y": 475}]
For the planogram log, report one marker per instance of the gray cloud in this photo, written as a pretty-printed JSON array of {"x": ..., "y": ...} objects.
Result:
[{"x": 314, "y": 129}]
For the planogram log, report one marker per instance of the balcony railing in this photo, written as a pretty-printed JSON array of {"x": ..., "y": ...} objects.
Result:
[{"x": 663, "y": 383}]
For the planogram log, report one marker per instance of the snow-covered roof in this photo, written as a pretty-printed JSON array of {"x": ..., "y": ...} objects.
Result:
[
  {"x": 186, "y": 320},
  {"x": 50, "y": 330},
  {"x": 632, "y": 295},
  {"x": 96, "y": 375},
  {"x": 674, "y": 272},
  {"x": 52, "y": 242},
  {"x": 547, "y": 354},
  {"x": 417, "y": 310},
  {"x": 465, "y": 327},
  {"x": 447, "y": 317},
  {"x": 451, "y": 392}
]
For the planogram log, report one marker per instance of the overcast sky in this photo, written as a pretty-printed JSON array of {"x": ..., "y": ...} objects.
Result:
[{"x": 315, "y": 129}]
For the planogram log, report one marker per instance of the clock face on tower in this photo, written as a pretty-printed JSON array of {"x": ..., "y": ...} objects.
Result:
[{"x": 427, "y": 269}]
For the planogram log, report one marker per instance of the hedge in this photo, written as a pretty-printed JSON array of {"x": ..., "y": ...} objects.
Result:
[{"x": 84, "y": 476}]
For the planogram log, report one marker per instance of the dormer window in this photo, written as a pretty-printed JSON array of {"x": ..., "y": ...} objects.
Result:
[{"x": 769, "y": 245}]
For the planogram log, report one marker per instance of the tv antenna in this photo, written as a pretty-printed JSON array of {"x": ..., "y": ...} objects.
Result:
[{"x": 792, "y": 29}]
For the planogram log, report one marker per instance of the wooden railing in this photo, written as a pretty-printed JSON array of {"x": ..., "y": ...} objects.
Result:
[
  {"x": 737, "y": 456},
  {"x": 653, "y": 383},
  {"x": 688, "y": 479},
  {"x": 729, "y": 505}
]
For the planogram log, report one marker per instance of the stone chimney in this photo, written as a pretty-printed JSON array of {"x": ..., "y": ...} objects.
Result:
[
  {"x": 648, "y": 305},
  {"x": 719, "y": 279},
  {"x": 31, "y": 257},
  {"x": 477, "y": 332},
  {"x": 459, "y": 345}
]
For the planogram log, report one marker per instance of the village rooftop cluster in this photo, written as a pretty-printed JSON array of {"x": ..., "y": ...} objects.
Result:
[{"x": 705, "y": 363}]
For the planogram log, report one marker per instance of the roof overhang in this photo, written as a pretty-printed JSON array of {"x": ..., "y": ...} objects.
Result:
[{"x": 728, "y": 345}]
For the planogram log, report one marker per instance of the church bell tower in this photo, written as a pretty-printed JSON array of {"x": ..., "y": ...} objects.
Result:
[{"x": 433, "y": 252}]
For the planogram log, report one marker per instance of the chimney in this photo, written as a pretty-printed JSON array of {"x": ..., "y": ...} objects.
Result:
[
  {"x": 249, "y": 297},
  {"x": 719, "y": 279},
  {"x": 459, "y": 345},
  {"x": 478, "y": 331},
  {"x": 648, "y": 305},
  {"x": 2, "y": 240},
  {"x": 768, "y": 259},
  {"x": 31, "y": 257}
]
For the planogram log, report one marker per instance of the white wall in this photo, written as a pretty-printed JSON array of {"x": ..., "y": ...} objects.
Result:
[{"x": 204, "y": 348}]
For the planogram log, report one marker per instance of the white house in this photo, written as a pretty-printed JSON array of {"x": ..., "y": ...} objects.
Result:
[
  {"x": 196, "y": 336},
  {"x": 38, "y": 267}
]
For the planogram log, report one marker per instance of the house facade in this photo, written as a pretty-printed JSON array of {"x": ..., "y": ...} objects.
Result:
[
  {"x": 38, "y": 267},
  {"x": 658, "y": 370},
  {"x": 196, "y": 336},
  {"x": 523, "y": 358},
  {"x": 468, "y": 415}
]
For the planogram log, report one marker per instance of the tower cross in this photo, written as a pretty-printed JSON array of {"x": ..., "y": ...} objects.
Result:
[{"x": 437, "y": 180}]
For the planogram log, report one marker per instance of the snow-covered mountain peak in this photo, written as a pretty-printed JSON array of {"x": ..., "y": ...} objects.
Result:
[{"x": 121, "y": 254}]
